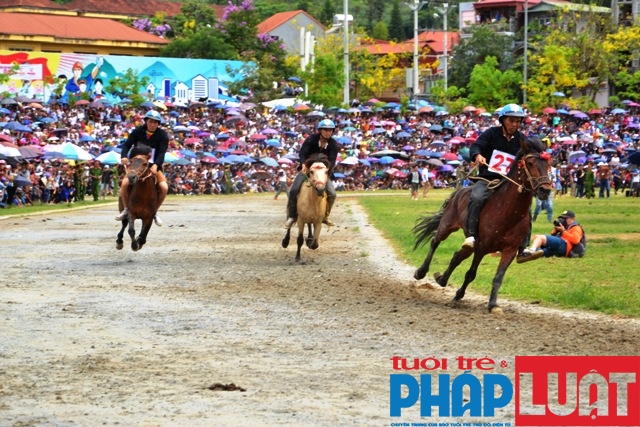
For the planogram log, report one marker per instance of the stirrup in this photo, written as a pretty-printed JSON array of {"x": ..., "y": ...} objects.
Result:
[
  {"x": 328, "y": 222},
  {"x": 122, "y": 215}
]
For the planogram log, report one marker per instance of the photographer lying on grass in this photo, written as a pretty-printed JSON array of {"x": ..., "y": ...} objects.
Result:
[{"x": 567, "y": 234}]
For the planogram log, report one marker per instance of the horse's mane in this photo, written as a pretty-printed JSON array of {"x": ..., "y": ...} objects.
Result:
[
  {"x": 317, "y": 157},
  {"x": 533, "y": 144},
  {"x": 139, "y": 149}
]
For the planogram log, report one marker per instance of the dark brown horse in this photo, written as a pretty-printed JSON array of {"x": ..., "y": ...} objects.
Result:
[
  {"x": 311, "y": 203},
  {"x": 504, "y": 220},
  {"x": 143, "y": 197}
]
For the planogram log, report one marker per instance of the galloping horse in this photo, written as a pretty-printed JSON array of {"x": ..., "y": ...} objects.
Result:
[
  {"x": 504, "y": 220},
  {"x": 312, "y": 203},
  {"x": 143, "y": 197}
]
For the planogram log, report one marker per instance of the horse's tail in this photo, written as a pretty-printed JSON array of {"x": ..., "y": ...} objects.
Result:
[{"x": 427, "y": 225}]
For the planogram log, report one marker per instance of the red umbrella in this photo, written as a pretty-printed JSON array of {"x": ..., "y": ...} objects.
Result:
[
  {"x": 257, "y": 136},
  {"x": 549, "y": 110},
  {"x": 192, "y": 141},
  {"x": 209, "y": 159},
  {"x": 449, "y": 156},
  {"x": 595, "y": 111},
  {"x": 82, "y": 102}
]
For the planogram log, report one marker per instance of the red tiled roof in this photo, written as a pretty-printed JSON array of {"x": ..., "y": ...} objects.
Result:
[
  {"x": 31, "y": 4},
  {"x": 435, "y": 40},
  {"x": 72, "y": 27},
  {"x": 383, "y": 47},
  {"x": 518, "y": 4},
  {"x": 132, "y": 8},
  {"x": 281, "y": 18}
]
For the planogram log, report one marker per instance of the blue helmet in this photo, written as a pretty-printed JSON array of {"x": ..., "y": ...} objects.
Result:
[
  {"x": 511, "y": 110},
  {"x": 326, "y": 124},
  {"x": 153, "y": 115}
]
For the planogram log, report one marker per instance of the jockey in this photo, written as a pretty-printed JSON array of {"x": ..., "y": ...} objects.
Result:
[
  {"x": 149, "y": 134},
  {"x": 321, "y": 142},
  {"x": 497, "y": 146}
]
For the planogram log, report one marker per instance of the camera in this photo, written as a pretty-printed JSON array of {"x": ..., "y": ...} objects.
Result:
[{"x": 558, "y": 222}]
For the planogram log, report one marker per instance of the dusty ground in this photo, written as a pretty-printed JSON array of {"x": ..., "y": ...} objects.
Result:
[{"x": 95, "y": 336}]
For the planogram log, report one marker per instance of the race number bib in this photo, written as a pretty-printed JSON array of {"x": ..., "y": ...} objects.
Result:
[{"x": 500, "y": 161}]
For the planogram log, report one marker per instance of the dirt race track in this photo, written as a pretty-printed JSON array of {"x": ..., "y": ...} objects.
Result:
[{"x": 94, "y": 336}]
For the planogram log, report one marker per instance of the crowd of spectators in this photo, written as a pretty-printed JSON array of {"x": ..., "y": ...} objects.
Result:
[{"x": 240, "y": 148}]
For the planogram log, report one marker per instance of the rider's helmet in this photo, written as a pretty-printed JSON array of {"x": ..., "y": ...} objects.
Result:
[
  {"x": 153, "y": 115},
  {"x": 326, "y": 124},
  {"x": 511, "y": 110}
]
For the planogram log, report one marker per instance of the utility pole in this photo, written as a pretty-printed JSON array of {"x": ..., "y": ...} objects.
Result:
[
  {"x": 526, "y": 37},
  {"x": 345, "y": 29}
]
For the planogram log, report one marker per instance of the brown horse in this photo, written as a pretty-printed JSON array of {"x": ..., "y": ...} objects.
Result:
[
  {"x": 504, "y": 220},
  {"x": 311, "y": 203},
  {"x": 143, "y": 197}
]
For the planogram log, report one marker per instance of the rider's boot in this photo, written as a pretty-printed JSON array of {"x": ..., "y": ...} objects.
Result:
[
  {"x": 473, "y": 212},
  {"x": 326, "y": 219},
  {"x": 292, "y": 213},
  {"x": 123, "y": 214}
]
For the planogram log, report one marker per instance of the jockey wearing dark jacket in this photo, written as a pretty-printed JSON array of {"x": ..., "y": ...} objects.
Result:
[
  {"x": 498, "y": 146},
  {"x": 150, "y": 135},
  {"x": 324, "y": 143}
]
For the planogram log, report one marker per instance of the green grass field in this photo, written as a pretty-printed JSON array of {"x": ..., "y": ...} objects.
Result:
[{"x": 605, "y": 280}]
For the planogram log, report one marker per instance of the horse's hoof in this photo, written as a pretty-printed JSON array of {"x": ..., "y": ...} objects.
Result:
[
  {"x": 496, "y": 310},
  {"x": 418, "y": 275},
  {"x": 119, "y": 246},
  {"x": 438, "y": 279}
]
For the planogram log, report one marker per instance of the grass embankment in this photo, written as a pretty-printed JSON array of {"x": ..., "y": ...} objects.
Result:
[{"x": 605, "y": 280}]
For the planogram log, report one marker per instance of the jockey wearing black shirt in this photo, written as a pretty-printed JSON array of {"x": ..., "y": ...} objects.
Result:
[
  {"x": 148, "y": 134},
  {"x": 321, "y": 142},
  {"x": 501, "y": 142}
]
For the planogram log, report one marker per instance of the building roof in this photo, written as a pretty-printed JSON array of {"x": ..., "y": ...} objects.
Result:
[
  {"x": 72, "y": 27},
  {"x": 384, "y": 47},
  {"x": 435, "y": 40},
  {"x": 518, "y": 4},
  {"x": 563, "y": 4},
  {"x": 110, "y": 7},
  {"x": 31, "y": 4},
  {"x": 282, "y": 18}
]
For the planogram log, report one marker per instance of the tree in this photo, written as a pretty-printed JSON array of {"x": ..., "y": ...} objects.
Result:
[
  {"x": 129, "y": 85},
  {"x": 375, "y": 13},
  {"x": 194, "y": 15},
  {"x": 205, "y": 43},
  {"x": 474, "y": 50},
  {"x": 327, "y": 12},
  {"x": 490, "y": 88},
  {"x": 327, "y": 81},
  {"x": 396, "y": 27},
  {"x": 380, "y": 31}
]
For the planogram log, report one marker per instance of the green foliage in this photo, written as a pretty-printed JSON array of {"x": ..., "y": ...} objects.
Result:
[
  {"x": 613, "y": 231},
  {"x": 327, "y": 12},
  {"x": 129, "y": 85},
  {"x": 194, "y": 15},
  {"x": 490, "y": 87},
  {"x": 375, "y": 14},
  {"x": 327, "y": 83},
  {"x": 380, "y": 31},
  {"x": 204, "y": 43},
  {"x": 396, "y": 27},
  {"x": 484, "y": 42}
]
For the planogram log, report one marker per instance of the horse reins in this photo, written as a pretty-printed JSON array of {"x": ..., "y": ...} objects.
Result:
[
  {"x": 535, "y": 182},
  {"x": 142, "y": 176}
]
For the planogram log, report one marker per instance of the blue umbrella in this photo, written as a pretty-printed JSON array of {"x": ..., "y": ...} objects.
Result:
[
  {"x": 560, "y": 94},
  {"x": 273, "y": 143},
  {"x": 87, "y": 138},
  {"x": 377, "y": 131},
  {"x": 386, "y": 160},
  {"x": 5, "y": 111},
  {"x": 365, "y": 162},
  {"x": 46, "y": 120},
  {"x": 618, "y": 111},
  {"x": 339, "y": 175},
  {"x": 343, "y": 140},
  {"x": 18, "y": 127},
  {"x": 562, "y": 111},
  {"x": 269, "y": 161},
  {"x": 403, "y": 134},
  {"x": 294, "y": 79},
  {"x": 187, "y": 153}
]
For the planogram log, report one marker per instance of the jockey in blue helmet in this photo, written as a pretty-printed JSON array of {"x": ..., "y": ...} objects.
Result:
[
  {"x": 499, "y": 142},
  {"x": 320, "y": 142}
]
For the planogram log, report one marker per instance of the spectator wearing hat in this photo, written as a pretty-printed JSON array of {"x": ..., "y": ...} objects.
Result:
[{"x": 566, "y": 233}]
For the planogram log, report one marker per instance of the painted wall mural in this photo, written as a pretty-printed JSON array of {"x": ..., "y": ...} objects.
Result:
[{"x": 176, "y": 79}]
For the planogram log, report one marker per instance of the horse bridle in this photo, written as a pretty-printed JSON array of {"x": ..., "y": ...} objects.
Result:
[
  {"x": 145, "y": 173},
  {"x": 533, "y": 181},
  {"x": 314, "y": 181}
]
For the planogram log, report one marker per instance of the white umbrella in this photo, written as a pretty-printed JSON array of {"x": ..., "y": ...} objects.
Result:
[
  {"x": 109, "y": 158},
  {"x": 72, "y": 151},
  {"x": 10, "y": 151},
  {"x": 349, "y": 161}
]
